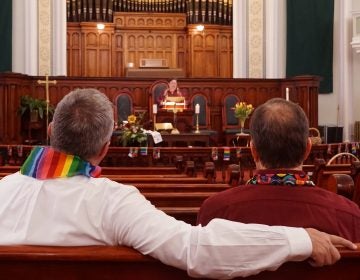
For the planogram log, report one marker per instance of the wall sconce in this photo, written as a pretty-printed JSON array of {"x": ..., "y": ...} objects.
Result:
[
  {"x": 200, "y": 27},
  {"x": 100, "y": 26},
  {"x": 356, "y": 32}
]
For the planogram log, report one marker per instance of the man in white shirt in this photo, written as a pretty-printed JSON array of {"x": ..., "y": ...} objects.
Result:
[{"x": 57, "y": 199}]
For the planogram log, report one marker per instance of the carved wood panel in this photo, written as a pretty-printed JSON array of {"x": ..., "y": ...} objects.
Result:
[
  {"x": 210, "y": 51},
  {"x": 303, "y": 90},
  {"x": 74, "y": 50},
  {"x": 134, "y": 36},
  {"x": 97, "y": 50}
]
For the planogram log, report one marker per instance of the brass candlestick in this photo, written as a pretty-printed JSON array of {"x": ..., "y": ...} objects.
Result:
[
  {"x": 197, "y": 124},
  {"x": 175, "y": 130},
  {"x": 154, "y": 115}
]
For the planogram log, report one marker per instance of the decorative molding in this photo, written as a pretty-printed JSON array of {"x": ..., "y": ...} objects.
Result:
[
  {"x": 256, "y": 38},
  {"x": 356, "y": 31},
  {"x": 45, "y": 25},
  {"x": 148, "y": 21}
]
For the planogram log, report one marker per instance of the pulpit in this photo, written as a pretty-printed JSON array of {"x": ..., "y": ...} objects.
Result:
[
  {"x": 183, "y": 119},
  {"x": 174, "y": 104},
  {"x": 174, "y": 110}
]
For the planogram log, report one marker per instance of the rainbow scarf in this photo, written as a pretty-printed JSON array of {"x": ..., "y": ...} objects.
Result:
[
  {"x": 288, "y": 179},
  {"x": 46, "y": 163}
]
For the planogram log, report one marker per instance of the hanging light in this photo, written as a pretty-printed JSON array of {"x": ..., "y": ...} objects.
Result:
[
  {"x": 100, "y": 26},
  {"x": 200, "y": 27}
]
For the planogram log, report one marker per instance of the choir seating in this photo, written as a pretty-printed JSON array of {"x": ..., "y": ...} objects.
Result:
[
  {"x": 230, "y": 122},
  {"x": 123, "y": 106},
  {"x": 156, "y": 90},
  {"x": 203, "y": 116},
  {"x": 120, "y": 262}
]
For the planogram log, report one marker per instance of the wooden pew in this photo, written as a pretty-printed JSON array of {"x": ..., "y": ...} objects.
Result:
[
  {"x": 176, "y": 199},
  {"x": 356, "y": 177},
  {"x": 119, "y": 262},
  {"x": 184, "y": 206},
  {"x": 106, "y": 170},
  {"x": 164, "y": 188},
  {"x": 160, "y": 170},
  {"x": 323, "y": 171},
  {"x": 343, "y": 184},
  {"x": 9, "y": 169},
  {"x": 133, "y": 180},
  {"x": 186, "y": 213}
]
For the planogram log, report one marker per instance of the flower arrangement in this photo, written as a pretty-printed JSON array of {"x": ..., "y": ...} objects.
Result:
[
  {"x": 242, "y": 110},
  {"x": 132, "y": 133}
]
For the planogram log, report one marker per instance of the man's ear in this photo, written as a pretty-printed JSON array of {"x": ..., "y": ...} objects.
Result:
[
  {"x": 254, "y": 152},
  {"x": 308, "y": 148},
  {"x": 49, "y": 129},
  {"x": 103, "y": 151}
]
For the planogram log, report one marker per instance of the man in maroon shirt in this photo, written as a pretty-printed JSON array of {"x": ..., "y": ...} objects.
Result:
[{"x": 280, "y": 193}]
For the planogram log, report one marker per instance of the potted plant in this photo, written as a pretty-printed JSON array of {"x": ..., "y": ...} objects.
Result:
[{"x": 34, "y": 108}]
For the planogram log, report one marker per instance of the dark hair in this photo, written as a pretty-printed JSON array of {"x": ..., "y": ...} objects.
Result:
[{"x": 279, "y": 130}]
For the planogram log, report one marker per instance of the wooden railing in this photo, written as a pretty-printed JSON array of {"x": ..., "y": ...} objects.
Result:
[{"x": 303, "y": 89}]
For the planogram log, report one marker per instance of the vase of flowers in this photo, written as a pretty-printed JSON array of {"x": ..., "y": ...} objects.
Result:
[
  {"x": 242, "y": 111},
  {"x": 132, "y": 133}
]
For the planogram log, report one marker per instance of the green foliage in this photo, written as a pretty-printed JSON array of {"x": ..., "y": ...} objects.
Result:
[
  {"x": 132, "y": 133},
  {"x": 28, "y": 103}
]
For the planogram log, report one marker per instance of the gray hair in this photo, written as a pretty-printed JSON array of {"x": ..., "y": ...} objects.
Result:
[{"x": 83, "y": 122}]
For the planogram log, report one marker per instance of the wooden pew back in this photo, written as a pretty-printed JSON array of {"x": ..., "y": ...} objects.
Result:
[{"x": 119, "y": 262}]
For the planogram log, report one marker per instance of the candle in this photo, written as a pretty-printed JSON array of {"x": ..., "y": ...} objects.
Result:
[
  {"x": 154, "y": 108},
  {"x": 197, "y": 109},
  {"x": 287, "y": 94}
]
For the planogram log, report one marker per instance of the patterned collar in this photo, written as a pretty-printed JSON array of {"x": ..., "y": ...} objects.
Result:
[
  {"x": 47, "y": 163},
  {"x": 281, "y": 179}
]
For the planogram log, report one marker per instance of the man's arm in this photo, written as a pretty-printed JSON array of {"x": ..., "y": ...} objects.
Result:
[{"x": 222, "y": 249}]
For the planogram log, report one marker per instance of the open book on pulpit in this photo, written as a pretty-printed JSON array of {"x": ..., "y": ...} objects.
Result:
[{"x": 175, "y": 103}]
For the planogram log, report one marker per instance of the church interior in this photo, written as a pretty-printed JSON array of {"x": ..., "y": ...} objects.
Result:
[{"x": 180, "y": 149}]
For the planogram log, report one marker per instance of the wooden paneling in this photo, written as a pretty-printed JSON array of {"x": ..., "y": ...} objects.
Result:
[
  {"x": 134, "y": 36},
  {"x": 149, "y": 36},
  {"x": 120, "y": 262},
  {"x": 210, "y": 51},
  {"x": 97, "y": 50},
  {"x": 74, "y": 50},
  {"x": 303, "y": 90}
]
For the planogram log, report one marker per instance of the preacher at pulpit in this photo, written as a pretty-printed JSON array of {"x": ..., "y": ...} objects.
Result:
[{"x": 171, "y": 91}]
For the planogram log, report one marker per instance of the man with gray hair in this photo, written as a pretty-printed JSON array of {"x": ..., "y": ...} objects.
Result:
[{"x": 58, "y": 199}]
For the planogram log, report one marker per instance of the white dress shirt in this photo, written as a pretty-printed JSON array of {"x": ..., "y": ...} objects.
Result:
[{"x": 87, "y": 211}]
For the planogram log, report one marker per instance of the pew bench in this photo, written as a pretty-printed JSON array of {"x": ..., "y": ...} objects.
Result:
[
  {"x": 175, "y": 199},
  {"x": 133, "y": 170},
  {"x": 164, "y": 188},
  {"x": 119, "y": 262},
  {"x": 186, "y": 214},
  {"x": 164, "y": 179}
]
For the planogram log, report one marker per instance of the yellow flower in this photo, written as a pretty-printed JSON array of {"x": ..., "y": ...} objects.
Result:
[
  {"x": 243, "y": 110},
  {"x": 132, "y": 133},
  {"x": 132, "y": 119}
]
